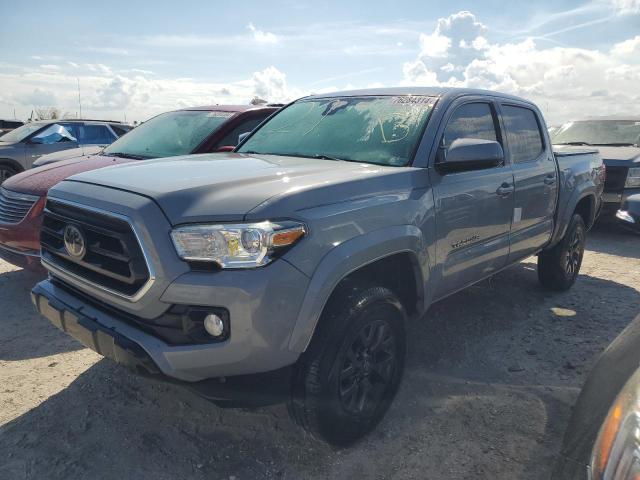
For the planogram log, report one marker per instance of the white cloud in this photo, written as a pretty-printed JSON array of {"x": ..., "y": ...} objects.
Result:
[
  {"x": 626, "y": 7},
  {"x": 50, "y": 67},
  {"x": 417, "y": 73},
  {"x": 98, "y": 68},
  {"x": 565, "y": 82},
  {"x": 262, "y": 37},
  {"x": 628, "y": 47},
  {"x": 37, "y": 98},
  {"x": 434, "y": 45},
  {"x": 109, "y": 93},
  {"x": 480, "y": 43},
  {"x": 271, "y": 84}
]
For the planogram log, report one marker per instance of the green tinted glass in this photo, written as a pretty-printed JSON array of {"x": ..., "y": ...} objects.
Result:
[
  {"x": 379, "y": 130},
  {"x": 169, "y": 134}
]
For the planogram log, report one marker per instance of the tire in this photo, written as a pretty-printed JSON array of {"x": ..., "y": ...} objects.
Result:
[
  {"x": 346, "y": 380},
  {"x": 558, "y": 267},
  {"x": 6, "y": 171}
]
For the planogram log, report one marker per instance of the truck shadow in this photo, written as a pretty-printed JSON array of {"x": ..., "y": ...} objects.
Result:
[
  {"x": 610, "y": 238},
  {"x": 491, "y": 375},
  {"x": 23, "y": 333}
]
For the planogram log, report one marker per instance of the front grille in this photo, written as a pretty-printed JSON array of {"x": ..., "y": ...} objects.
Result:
[
  {"x": 14, "y": 206},
  {"x": 615, "y": 180},
  {"x": 113, "y": 259}
]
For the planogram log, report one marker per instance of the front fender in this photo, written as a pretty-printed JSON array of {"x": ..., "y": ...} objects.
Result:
[{"x": 349, "y": 257}]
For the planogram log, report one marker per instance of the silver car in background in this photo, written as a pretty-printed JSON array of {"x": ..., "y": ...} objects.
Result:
[{"x": 24, "y": 145}]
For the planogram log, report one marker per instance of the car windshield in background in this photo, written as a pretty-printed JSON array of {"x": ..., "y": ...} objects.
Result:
[
  {"x": 169, "y": 134},
  {"x": 21, "y": 133},
  {"x": 380, "y": 130},
  {"x": 599, "y": 132}
]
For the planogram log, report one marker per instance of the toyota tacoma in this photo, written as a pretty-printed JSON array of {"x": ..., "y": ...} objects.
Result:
[{"x": 289, "y": 268}]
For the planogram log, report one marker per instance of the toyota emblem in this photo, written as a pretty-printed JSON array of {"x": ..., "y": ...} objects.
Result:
[{"x": 74, "y": 242}]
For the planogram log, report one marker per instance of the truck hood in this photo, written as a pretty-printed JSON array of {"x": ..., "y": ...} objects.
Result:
[
  {"x": 620, "y": 156},
  {"x": 226, "y": 187},
  {"x": 38, "y": 181}
]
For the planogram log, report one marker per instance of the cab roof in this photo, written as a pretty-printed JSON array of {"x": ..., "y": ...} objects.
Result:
[
  {"x": 231, "y": 108},
  {"x": 611, "y": 118},
  {"x": 438, "y": 92}
]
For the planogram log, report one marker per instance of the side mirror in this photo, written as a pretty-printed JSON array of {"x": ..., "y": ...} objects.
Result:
[
  {"x": 225, "y": 148},
  {"x": 470, "y": 154},
  {"x": 242, "y": 136}
]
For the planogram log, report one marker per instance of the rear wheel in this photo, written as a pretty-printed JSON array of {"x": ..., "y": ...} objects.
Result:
[
  {"x": 6, "y": 171},
  {"x": 558, "y": 267},
  {"x": 346, "y": 380}
]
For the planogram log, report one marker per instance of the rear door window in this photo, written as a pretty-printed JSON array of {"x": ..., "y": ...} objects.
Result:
[
  {"x": 95, "y": 135},
  {"x": 523, "y": 134},
  {"x": 120, "y": 129},
  {"x": 54, "y": 133},
  {"x": 231, "y": 138}
]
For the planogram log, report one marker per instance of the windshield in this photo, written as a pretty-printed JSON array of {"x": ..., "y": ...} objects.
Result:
[
  {"x": 21, "y": 133},
  {"x": 379, "y": 130},
  {"x": 599, "y": 132},
  {"x": 169, "y": 134}
]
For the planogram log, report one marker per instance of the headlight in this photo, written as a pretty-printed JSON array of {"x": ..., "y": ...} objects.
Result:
[
  {"x": 633, "y": 178},
  {"x": 244, "y": 245},
  {"x": 616, "y": 453}
]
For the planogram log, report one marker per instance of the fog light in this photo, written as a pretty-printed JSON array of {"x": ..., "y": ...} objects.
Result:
[{"x": 214, "y": 325}]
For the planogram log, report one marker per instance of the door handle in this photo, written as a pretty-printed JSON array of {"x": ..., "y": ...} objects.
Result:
[
  {"x": 505, "y": 190},
  {"x": 550, "y": 180}
]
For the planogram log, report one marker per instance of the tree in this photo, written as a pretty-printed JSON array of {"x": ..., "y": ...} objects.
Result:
[{"x": 50, "y": 113}]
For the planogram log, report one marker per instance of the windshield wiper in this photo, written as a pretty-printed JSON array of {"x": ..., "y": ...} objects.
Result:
[
  {"x": 127, "y": 155},
  {"x": 327, "y": 157},
  {"x": 615, "y": 144},
  {"x": 577, "y": 144},
  {"x": 318, "y": 156}
]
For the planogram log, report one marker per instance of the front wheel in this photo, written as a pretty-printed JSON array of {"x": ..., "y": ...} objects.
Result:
[
  {"x": 346, "y": 380},
  {"x": 558, "y": 267},
  {"x": 6, "y": 171}
]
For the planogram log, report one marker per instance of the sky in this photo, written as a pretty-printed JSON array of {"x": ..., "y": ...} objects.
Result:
[{"x": 135, "y": 59}]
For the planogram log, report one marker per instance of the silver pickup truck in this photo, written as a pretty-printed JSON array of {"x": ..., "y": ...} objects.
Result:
[{"x": 289, "y": 268}]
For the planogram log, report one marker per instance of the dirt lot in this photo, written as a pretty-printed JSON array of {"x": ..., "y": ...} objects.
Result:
[{"x": 491, "y": 376}]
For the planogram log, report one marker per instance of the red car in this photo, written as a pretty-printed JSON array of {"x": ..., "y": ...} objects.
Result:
[{"x": 181, "y": 132}]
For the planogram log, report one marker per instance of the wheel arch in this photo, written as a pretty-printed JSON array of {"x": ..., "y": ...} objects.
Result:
[
  {"x": 382, "y": 255},
  {"x": 582, "y": 202},
  {"x": 586, "y": 209},
  {"x": 12, "y": 163}
]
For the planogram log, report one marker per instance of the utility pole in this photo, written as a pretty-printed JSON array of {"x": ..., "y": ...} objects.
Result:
[{"x": 79, "y": 101}]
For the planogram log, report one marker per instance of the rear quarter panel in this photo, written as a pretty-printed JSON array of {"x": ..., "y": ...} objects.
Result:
[{"x": 581, "y": 175}]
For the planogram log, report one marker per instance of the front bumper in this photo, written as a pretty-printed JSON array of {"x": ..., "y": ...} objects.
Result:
[
  {"x": 120, "y": 342},
  {"x": 629, "y": 213},
  {"x": 28, "y": 259},
  {"x": 259, "y": 330},
  {"x": 613, "y": 200},
  {"x": 20, "y": 242}
]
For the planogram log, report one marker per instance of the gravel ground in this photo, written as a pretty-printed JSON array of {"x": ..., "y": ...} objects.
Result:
[{"x": 491, "y": 375}]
